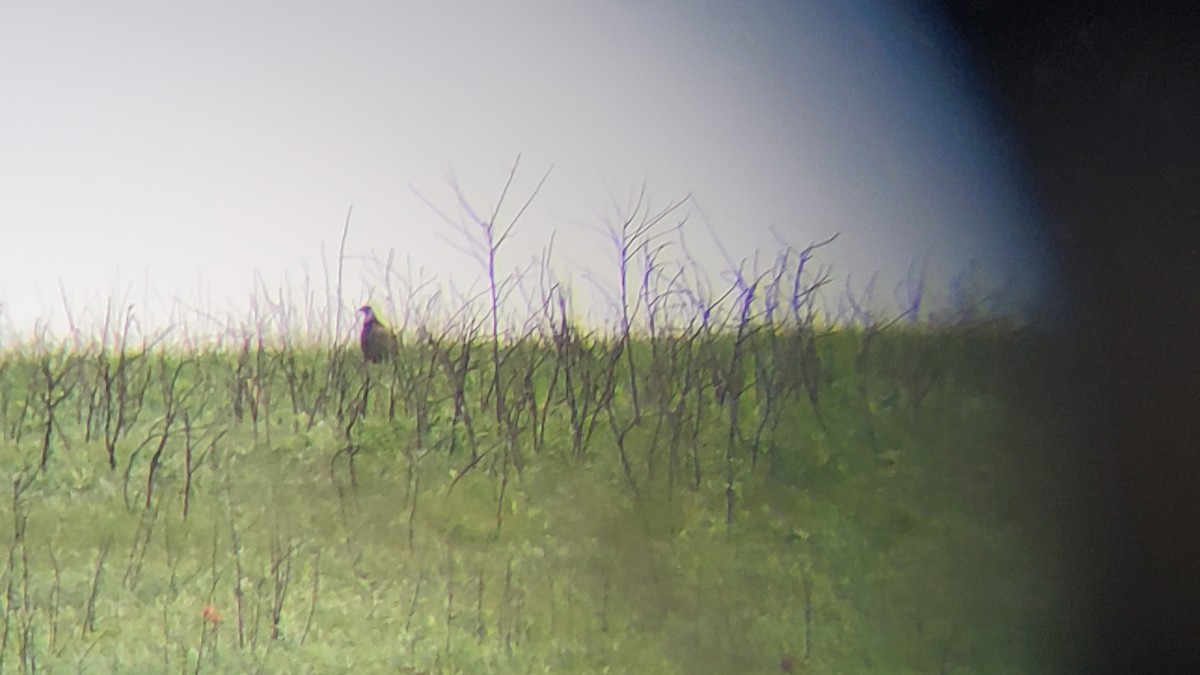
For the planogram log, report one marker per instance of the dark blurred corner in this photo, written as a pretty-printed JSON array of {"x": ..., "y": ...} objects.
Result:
[{"x": 1100, "y": 100}]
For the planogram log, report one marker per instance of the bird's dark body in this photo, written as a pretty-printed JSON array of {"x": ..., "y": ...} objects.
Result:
[{"x": 377, "y": 341}]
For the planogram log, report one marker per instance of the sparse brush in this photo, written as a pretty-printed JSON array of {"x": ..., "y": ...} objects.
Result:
[{"x": 612, "y": 514}]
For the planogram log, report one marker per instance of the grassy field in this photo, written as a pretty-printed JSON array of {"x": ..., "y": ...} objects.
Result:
[{"x": 769, "y": 501}]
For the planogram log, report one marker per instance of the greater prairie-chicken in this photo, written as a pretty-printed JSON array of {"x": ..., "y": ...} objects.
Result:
[{"x": 377, "y": 341}]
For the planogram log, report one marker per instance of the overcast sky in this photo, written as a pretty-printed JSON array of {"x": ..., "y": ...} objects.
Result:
[{"x": 161, "y": 152}]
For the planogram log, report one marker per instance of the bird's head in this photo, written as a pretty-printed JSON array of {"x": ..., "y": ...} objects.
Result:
[{"x": 368, "y": 313}]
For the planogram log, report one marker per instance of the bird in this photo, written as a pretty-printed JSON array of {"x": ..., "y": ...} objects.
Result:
[{"x": 377, "y": 340}]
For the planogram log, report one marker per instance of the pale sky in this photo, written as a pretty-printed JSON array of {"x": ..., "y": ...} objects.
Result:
[{"x": 159, "y": 152}]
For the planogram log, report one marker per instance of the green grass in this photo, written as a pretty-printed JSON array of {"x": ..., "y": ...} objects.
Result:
[{"x": 924, "y": 529}]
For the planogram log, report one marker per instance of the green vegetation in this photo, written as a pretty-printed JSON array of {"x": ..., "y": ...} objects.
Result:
[
  {"x": 722, "y": 483},
  {"x": 768, "y": 498}
]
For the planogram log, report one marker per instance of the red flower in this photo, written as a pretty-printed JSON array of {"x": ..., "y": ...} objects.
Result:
[{"x": 210, "y": 613}]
